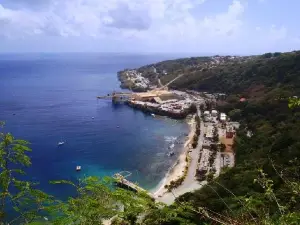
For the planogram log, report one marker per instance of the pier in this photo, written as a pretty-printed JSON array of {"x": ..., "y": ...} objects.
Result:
[
  {"x": 117, "y": 96},
  {"x": 120, "y": 179}
]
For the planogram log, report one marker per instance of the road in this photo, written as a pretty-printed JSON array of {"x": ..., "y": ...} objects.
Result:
[
  {"x": 159, "y": 82},
  {"x": 170, "y": 82},
  {"x": 190, "y": 183}
]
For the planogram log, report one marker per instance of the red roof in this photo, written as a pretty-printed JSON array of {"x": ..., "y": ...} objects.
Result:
[{"x": 242, "y": 99}]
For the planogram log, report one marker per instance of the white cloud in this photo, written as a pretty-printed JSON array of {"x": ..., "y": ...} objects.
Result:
[
  {"x": 99, "y": 18},
  {"x": 153, "y": 24}
]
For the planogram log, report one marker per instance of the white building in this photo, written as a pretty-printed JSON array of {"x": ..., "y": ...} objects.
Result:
[
  {"x": 209, "y": 131},
  {"x": 206, "y": 113},
  {"x": 223, "y": 117}
]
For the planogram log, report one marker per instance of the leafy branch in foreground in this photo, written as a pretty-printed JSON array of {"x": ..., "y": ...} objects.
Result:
[
  {"x": 16, "y": 194},
  {"x": 294, "y": 102},
  {"x": 97, "y": 201}
]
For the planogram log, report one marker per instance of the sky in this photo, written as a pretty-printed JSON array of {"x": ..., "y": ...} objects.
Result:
[{"x": 150, "y": 26}]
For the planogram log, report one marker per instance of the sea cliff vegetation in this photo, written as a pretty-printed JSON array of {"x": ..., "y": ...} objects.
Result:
[{"x": 262, "y": 188}]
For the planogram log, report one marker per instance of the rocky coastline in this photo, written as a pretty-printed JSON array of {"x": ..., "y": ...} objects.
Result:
[{"x": 130, "y": 79}]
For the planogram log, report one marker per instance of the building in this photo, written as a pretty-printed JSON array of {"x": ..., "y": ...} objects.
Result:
[
  {"x": 243, "y": 99},
  {"x": 206, "y": 113},
  {"x": 144, "y": 96},
  {"x": 209, "y": 132},
  {"x": 206, "y": 144},
  {"x": 221, "y": 96},
  {"x": 223, "y": 117},
  {"x": 214, "y": 113},
  {"x": 230, "y": 132}
]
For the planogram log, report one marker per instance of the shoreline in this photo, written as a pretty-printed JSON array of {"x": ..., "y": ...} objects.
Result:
[{"x": 177, "y": 169}]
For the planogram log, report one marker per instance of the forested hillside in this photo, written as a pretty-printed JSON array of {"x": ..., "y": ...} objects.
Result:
[{"x": 264, "y": 185}]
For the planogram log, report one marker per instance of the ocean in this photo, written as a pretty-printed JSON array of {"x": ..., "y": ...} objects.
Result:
[{"x": 46, "y": 98}]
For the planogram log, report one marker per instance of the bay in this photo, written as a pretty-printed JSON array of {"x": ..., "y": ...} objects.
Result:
[{"x": 45, "y": 98}]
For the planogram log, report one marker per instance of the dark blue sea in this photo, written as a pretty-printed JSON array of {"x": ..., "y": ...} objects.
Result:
[{"x": 46, "y": 98}]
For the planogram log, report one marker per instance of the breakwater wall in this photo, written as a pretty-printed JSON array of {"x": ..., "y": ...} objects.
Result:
[{"x": 158, "y": 111}]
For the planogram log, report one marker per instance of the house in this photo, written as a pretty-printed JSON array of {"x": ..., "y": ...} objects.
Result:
[
  {"x": 230, "y": 132},
  {"x": 214, "y": 113},
  {"x": 206, "y": 113},
  {"x": 221, "y": 96},
  {"x": 206, "y": 144},
  {"x": 223, "y": 117},
  {"x": 243, "y": 99},
  {"x": 209, "y": 132}
]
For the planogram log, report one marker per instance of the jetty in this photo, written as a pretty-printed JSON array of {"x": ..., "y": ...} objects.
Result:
[
  {"x": 120, "y": 179},
  {"x": 117, "y": 96}
]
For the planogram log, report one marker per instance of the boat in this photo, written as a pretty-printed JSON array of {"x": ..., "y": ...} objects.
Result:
[
  {"x": 171, "y": 153},
  {"x": 60, "y": 143},
  {"x": 153, "y": 115},
  {"x": 172, "y": 146},
  {"x": 78, "y": 168}
]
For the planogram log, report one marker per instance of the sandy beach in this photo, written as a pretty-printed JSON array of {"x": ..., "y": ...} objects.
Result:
[
  {"x": 190, "y": 183},
  {"x": 177, "y": 170}
]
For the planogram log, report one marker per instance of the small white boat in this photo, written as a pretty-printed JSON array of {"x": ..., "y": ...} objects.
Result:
[
  {"x": 153, "y": 115},
  {"x": 78, "y": 168},
  {"x": 60, "y": 143},
  {"x": 172, "y": 146}
]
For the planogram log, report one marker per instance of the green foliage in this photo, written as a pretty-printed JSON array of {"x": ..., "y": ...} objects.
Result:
[
  {"x": 174, "y": 215},
  {"x": 263, "y": 187},
  {"x": 294, "y": 102},
  {"x": 222, "y": 147},
  {"x": 272, "y": 115},
  {"x": 25, "y": 199},
  {"x": 215, "y": 135},
  {"x": 235, "y": 114},
  {"x": 95, "y": 201}
]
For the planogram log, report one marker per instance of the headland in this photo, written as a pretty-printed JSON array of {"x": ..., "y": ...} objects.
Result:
[{"x": 207, "y": 148}]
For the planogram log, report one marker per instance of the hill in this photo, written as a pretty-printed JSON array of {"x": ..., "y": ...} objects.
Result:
[{"x": 264, "y": 185}]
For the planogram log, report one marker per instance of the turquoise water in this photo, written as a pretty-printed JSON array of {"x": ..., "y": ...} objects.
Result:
[{"x": 47, "y": 98}]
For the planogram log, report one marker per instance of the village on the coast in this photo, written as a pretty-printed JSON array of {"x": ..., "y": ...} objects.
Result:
[{"x": 208, "y": 147}]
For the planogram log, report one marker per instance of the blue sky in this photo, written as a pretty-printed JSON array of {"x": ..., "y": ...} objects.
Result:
[{"x": 154, "y": 26}]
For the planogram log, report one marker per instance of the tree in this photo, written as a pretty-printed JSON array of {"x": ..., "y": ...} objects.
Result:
[
  {"x": 96, "y": 201},
  {"x": 222, "y": 147},
  {"x": 14, "y": 193},
  {"x": 215, "y": 135},
  {"x": 202, "y": 107},
  {"x": 96, "y": 198}
]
